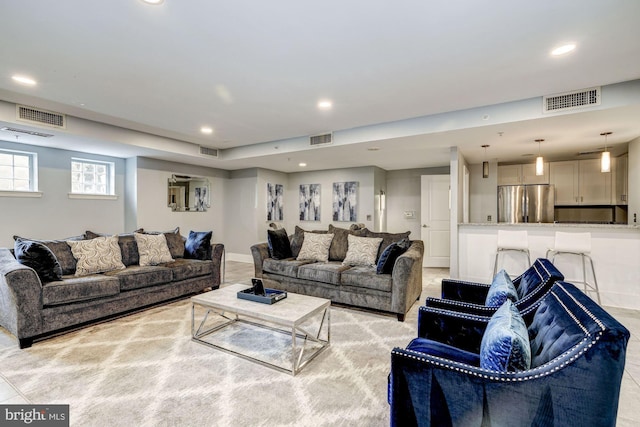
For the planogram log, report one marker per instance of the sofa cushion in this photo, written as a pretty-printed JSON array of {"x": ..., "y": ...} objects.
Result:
[
  {"x": 153, "y": 249},
  {"x": 389, "y": 256},
  {"x": 198, "y": 245},
  {"x": 298, "y": 238},
  {"x": 339, "y": 244},
  {"x": 189, "y": 268},
  {"x": 61, "y": 250},
  {"x": 73, "y": 289},
  {"x": 322, "y": 272},
  {"x": 279, "y": 246},
  {"x": 446, "y": 351},
  {"x": 39, "y": 257},
  {"x": 315, "y": 247},
  {"x": 505, "y": 343},
  {"x": 284, "y": 267},
  {"x": 501, "y": 289},
  {"x": 366, "y": 277},
  {"x": 362, "y": 250},
  {"x": 135, "y": 276},
  {"x": 96, "y": 255},
  {"x": 387, "y": 238},
  {"x": 127, "y": 243}
]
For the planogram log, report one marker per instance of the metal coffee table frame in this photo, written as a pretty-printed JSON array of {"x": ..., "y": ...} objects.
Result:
[{"x": 252, "y": 313}]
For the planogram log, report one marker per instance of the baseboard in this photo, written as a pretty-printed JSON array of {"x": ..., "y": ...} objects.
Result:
[{"x": 230, "y": 256}]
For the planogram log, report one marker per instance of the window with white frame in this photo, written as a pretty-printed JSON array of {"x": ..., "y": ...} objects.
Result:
[
  {"x": 18, "y": 171},
  {"x": 92, "y": 177}
]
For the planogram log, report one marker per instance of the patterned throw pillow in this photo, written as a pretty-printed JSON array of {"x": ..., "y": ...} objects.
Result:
[
  {"x": 505, "y": 344},
  {"x": 153, "y": 249},
  {"x": 96, "y": 255},
  {"x": 362, "y": 250},
  {"x": 315, "y": 247},
  {"x": 501, "y": 289}
]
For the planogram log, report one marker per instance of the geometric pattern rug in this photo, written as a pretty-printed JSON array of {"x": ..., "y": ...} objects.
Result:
[{"x": 144, "y": 370}]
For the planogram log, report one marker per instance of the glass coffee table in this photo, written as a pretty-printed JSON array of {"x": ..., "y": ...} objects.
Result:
[{"x": 284, "y": 336}]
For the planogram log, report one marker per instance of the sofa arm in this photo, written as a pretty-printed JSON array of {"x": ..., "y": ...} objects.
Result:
[
  {"x": 20, "y": 297},
  {"x": 260, "y": 252},
  {"x": 217, "y": 251},
  {"x": 407, "y": 279},
  {"x": 460, "y": 290},
  {"x": 460, "y": 330}
]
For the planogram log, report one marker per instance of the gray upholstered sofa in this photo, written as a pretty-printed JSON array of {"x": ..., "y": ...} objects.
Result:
[
  {"x": 32, "y": 309},
  {"x": 358, "y": 286}
]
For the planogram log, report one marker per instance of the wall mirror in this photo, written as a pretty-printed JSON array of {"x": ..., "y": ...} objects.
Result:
[{"x": 188, "y": 193}]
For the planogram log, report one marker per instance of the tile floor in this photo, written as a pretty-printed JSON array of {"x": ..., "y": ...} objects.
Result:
[{"x": 628, "y": 415}]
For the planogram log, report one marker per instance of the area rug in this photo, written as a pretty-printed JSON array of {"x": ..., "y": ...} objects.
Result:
[{"x": 144, "y": 370}]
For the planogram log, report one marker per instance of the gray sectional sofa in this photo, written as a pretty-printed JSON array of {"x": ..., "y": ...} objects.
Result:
[
  {"x": 32, "y": 309},
  {"x": 358, "y": 286}
]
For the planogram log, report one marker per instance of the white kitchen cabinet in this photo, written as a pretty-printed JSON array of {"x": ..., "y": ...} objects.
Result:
[
  {"x": 580, "y": 182},
  {"x": 522, "y": 174},
  {"x": 622, "y": 179}
]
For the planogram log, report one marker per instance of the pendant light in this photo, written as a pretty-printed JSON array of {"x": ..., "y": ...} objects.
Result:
[
  {"x": 605, "y": 161},
  {"x": 485, "y": 163},
  {"x": 539, "y": 160}
]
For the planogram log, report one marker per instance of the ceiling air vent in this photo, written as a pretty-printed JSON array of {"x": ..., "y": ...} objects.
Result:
[
  {"x": 206, "y": 151},
  {"x": 327, "y": 138},
  {"x": 41, "y": 117},
  {"x": 571, "y": 100},
  {"x": 28, "y": 132}
]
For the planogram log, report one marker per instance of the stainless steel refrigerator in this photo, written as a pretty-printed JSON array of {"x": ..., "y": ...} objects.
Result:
[{"x": 526, "y": 203}]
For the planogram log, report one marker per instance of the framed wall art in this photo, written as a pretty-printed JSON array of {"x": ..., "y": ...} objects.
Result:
[
  {"x": 309, "y": 202},
  {"x": 345, "y": 201}
]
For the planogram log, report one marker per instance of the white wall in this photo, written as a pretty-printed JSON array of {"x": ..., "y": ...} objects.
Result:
[
  {"x": 151, "y": 203},
  {"x": 483, "y": 197},
  {"x": 55, "y": 215}
]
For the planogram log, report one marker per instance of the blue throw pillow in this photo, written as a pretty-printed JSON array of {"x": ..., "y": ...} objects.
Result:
[
  {"x": 390, "y": 254},
  {"x": 279, "y": 246},
  {"x": 505, "y": 344},
  {"x": 446, "y": 351},
  {"x": 39, "y": 257},
  {"x": 501, "y": 289},
  {"x": 197, "y": 245}
]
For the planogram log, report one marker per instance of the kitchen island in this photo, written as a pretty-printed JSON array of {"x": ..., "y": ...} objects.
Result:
[{"x": 615, "y": 253}]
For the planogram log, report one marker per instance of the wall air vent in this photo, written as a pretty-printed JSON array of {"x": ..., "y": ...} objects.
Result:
[
  {"x": 41, "y": 117},
  {"x": 28, "y": 132},
  {"x": 571, "y": 100},
  {"x": 325, "y": 139},
  {"x": 211, "y": 152}
]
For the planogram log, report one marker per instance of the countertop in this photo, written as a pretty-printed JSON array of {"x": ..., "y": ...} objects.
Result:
[{"x": 553, "y": 225}]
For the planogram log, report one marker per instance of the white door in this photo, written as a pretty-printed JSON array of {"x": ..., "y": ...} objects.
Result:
[{"x": 435, "y": 208}]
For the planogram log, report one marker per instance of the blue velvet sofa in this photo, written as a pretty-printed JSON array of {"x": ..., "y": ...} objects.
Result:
[
  {"x": 469, "y": 297},
  {"x": 577, "y": 361}
]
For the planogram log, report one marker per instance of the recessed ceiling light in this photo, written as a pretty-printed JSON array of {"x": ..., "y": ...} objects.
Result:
[
  {"x": 24, "y": 80},
  {"x": 561, "y": 50},
  {"x": 302, "y": 164},
  {"x": 325, "y": 104},
  {"x": 153, "y": 1},
  {"x": 206, "y": 130},
  {"x": 373, "y": 148}
]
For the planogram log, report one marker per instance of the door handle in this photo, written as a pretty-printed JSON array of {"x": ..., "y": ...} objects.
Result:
[{"x": 425, "y": 226}]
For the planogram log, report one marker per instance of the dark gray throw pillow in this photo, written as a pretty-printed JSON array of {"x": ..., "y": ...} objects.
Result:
[
  {"x": 39, "y": 257},
  {"x": 279, "y": 246},
  {"x": 390, "y": 254},
  {"x": 197, "y": 245}
]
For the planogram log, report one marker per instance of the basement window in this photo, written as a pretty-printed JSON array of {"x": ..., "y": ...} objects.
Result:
[
  {"x": 18, "y": 172},
  {"x": 92, "y": 177}
]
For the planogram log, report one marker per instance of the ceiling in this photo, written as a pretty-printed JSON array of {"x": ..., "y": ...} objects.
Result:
[{"x": 410, "y": 79}]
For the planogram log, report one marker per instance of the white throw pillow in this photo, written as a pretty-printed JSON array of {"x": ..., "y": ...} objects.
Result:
[
  {"x": 315, "y": 247},
  {"x": 96, "y": 255},
  {"x": 362, "y": 250},
  {"x": 153, "y": 249}
]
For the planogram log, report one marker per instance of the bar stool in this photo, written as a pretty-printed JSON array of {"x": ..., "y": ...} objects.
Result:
[
  {"x": 577, "y": 244},
  {"x": 509, "y": 240}
]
